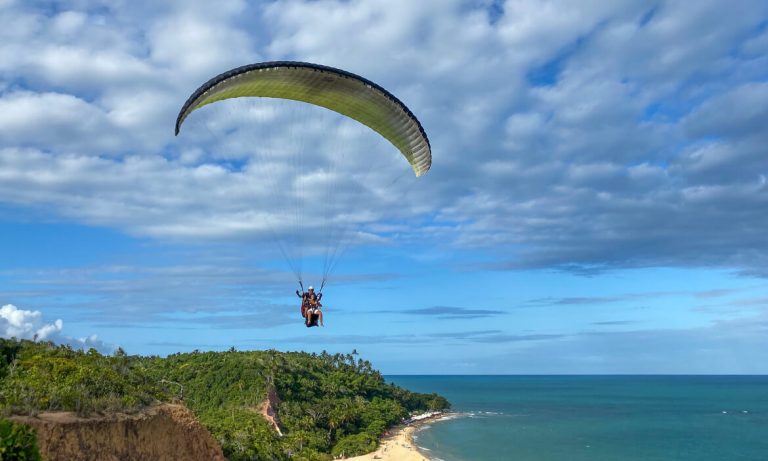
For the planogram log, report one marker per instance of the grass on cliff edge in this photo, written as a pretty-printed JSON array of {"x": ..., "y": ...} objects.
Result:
[{"x": 329, "y": 405}]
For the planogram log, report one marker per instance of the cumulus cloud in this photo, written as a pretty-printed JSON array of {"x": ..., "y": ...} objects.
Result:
[
  {"x": 47, "y": 119},
  {"x": 24, "y": 324},
  {"x": 582, "y": 137}
]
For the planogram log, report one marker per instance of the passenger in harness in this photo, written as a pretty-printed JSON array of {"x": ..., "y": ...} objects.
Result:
[{"x": 310, "y": 307}]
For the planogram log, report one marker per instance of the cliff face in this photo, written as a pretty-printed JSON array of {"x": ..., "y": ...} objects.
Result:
[
  {"x": 269, "y": 407},
  {"x": 163, "y": 433}
]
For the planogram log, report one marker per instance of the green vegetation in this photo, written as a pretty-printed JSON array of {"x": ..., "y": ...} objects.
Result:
[
  {"x": 17, "y": 442},
  {"x": 327, "y": 405},
  {"x": 43, "y": 377}
]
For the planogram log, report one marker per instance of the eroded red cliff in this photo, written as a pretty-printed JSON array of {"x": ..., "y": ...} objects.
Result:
[{"x": 164, "y": 432}]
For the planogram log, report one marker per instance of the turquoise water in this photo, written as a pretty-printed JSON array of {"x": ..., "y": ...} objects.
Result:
[{"x": 597, "y": 418}]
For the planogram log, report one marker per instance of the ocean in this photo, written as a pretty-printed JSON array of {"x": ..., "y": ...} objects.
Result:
[{"x": 597, "y": 418}]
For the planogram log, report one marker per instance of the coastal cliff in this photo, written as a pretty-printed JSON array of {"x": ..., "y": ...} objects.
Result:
[
  {"x": 249, "y": 404},
  {"x": 165, "y": 432}
]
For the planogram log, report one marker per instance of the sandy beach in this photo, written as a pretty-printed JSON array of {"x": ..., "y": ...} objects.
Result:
[{"x": 398, "y": 446}]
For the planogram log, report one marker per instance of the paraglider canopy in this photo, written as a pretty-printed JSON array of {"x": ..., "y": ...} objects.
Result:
[
  {"x": 314, "y": 87},
  {"x": 334, "y": 89}
]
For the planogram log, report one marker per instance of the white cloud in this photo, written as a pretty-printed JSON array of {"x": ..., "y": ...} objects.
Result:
[
  {"x": 56, "y": 121},
  {"x": 746, "y": 107},
  {"x": 23, "y": 324},
  {"x": 561, "y": 132},
  {"x": 198, "y": 39}
]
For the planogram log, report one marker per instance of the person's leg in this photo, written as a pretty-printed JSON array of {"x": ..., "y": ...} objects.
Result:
[
  {"x": 310, "y": 317},
  {"x": 320, "y": 317}
]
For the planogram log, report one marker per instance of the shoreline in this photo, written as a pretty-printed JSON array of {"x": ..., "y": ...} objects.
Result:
[{"x": 398, "y": 443}]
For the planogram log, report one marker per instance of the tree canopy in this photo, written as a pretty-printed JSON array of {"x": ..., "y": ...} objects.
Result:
[{"x": 329, "y": 404}]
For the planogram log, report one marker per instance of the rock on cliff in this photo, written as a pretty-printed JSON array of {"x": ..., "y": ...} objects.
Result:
[{"x": 164, "y": 432}]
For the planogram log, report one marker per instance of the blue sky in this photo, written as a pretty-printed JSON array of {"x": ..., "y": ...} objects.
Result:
[{"x": 597, "y": 201}]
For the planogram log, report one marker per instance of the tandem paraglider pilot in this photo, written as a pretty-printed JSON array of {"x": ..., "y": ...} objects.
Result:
[
  {"x": 337, "y": 90},
  {"x": 310, "y": 307}
]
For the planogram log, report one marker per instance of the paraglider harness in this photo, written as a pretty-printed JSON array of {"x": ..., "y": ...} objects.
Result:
[{"x": 310, "y": 302}]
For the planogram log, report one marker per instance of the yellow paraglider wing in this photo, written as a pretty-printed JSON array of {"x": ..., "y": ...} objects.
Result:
[{"x": 334, "y": 89}]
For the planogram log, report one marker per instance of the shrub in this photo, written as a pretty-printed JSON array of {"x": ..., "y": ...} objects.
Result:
[
  {"x": 17, "y": 442},
  {"x": 353, "y": 445}
]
